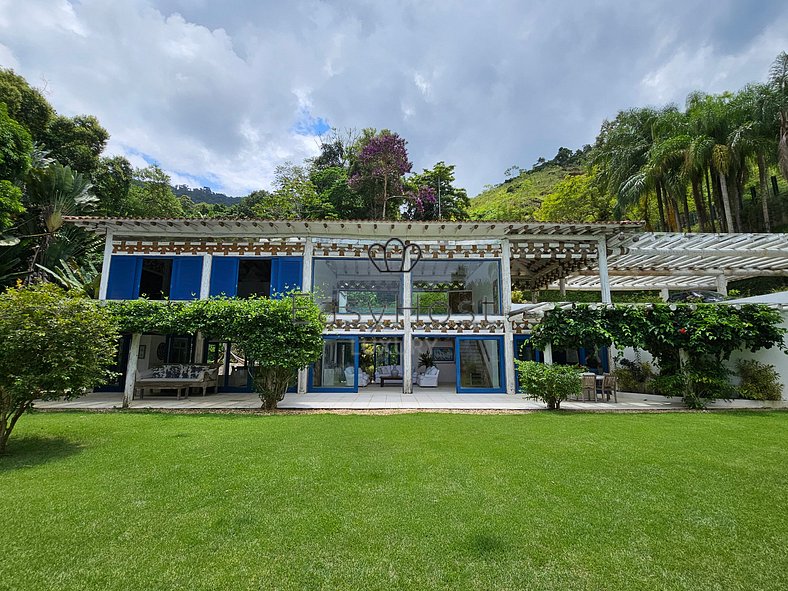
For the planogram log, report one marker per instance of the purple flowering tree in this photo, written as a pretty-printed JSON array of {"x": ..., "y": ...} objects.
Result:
[
  {"x": 423, "y": 205},
  {"x": 383, "y": 161}
]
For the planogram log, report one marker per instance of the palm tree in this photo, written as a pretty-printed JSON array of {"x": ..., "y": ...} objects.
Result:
[
  {"x": 755, "y": 137},
  {"x": 778, "y": 80},
  {"x": 711, "y": 119},
  {"x": 52, "y": 193},
  {"x": 621, "y": 154}
]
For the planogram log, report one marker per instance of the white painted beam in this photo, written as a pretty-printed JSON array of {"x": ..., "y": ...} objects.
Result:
[
  {"x": 604, "y": 278},
  {"x": 131, "y": 369},
  {"x": 105, "y": 264}
]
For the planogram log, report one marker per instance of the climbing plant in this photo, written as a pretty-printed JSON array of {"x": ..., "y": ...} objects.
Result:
[
  {"x": 707, "y": 333},
  {"x": 278, "y": 336}
]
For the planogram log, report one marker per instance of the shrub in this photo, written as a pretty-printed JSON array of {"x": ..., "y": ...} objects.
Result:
[
  {"x": 759, "y": 381},
  {"x": 696, "y": 386},
  {"x": 549, "y": 383},
  {"x": 53, "y": 344},
  {"x": 634, "y": 376}
]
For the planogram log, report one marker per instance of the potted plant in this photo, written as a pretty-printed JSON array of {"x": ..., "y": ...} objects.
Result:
[{"x": 426, "y": 360}]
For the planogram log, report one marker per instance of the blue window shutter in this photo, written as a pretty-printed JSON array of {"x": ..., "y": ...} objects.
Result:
[
  {"x": 186, "y": 274},
  {"x": 224, "y": 276},
  {"x": 124, "y": 277},
  {"x": 285, "y": 275}
]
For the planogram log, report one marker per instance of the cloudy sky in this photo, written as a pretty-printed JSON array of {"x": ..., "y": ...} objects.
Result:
[{"x": 220, "y": 92}]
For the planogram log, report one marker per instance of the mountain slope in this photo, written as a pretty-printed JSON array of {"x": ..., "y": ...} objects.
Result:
[{"x": 519, "y": 197}]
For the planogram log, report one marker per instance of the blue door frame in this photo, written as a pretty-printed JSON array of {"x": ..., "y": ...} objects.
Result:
[
  {"x": 458, "y": 361},
  {"x": 519, "y": 341},
  {"x": 311, "y": 383}
]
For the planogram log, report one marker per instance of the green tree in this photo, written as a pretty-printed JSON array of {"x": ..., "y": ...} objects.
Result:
[
  {"x": 778, "y": 80},
  {"x": 577, "y": 198},
  {"x": 54, "y": 345},
  {"x": 52, "y": 193},
  {"x": 755, "y": 138},
  {"x": 247, "y": 205},
  {"x": 278, "y": 336},
  {"x": 151, "y": 196},
  {"x": 25, "y": 104},
  {"x": 76, "y": 142},
  {"x": 332, "y": 186},
  {"x": 111, "y": 184},
  {"x": 16, "y": 148},
  {"x": 452, "y": 202},
  {"x": 294, "y": 197}
]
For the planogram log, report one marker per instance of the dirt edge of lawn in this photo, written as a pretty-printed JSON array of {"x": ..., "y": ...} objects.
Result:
[{"x": 395, "y": 411}]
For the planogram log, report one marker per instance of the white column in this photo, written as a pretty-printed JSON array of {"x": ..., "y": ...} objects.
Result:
[
  {"x": 562, "y": 286},
  {"x": 664, "y": 293},
  {"x": 131, "y": 369},
  {"x": 548, "y": 354},
  {"x": 506, "y": 291},
  {"x": 105, "y": 263},
  {"x": 604, "y": 278},
  {"x": 407, "y": 337},
  {"x": 205, "y": 279},
  {"x": 306, "y": 286},
  {"x": 722, "y": 284}
]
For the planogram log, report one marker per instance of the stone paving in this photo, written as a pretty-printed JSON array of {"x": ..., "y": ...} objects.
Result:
[{"x": 389, "y": 398}]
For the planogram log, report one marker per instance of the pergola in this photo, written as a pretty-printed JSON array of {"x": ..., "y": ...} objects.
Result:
[
  {"x": 604, "y": 257},
  {"x": 670, "y": 261}
]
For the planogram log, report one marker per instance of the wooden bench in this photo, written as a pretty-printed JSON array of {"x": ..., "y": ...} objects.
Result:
[{"x": 180, "y": 378}]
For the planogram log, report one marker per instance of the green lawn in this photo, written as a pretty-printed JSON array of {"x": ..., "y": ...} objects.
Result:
[{"x": 413, "y": 501}]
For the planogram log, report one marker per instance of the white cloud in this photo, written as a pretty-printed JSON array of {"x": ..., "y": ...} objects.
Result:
[{"x": 214, "y": 90}]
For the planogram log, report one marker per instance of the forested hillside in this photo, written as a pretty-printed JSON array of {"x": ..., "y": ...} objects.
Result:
[
  {"x": 717, "y": 164},
  {"x": 521, "y": 195}
]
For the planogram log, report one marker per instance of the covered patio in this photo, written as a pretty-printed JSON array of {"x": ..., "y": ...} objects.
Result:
[{"x": 387, "y": 398}]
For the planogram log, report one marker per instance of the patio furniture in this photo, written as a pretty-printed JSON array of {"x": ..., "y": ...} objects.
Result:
[
  {"x": 428, "y": 379},
  {"x": 609, "y": 386},
  {"x": 388, "y": 373},
  {"x": 178, "y": 377},
  {"x": 588, "y": 386},
  {"x": 363, "y": 377}
]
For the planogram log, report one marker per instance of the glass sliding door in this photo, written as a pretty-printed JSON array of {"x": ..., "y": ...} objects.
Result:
[
  {"x": 480, "y": 364},
  {"x": 337, "y": 368}
]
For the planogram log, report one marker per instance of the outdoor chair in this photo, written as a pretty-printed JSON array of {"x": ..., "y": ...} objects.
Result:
[
  {"x": 609, "y": 386},
  {"x": 428, "y": 379},
  {"x": 588, "y": 387}
]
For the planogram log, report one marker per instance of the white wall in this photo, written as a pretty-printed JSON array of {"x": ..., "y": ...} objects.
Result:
[{"x": 771, "y": 356}]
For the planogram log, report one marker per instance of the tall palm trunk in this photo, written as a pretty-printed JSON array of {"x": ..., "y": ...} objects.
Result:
[
  {"x": 726, "y": 202},
  {"x": 660, "y": 207},
  {"x": 711, "y": 200},
  {"x": 700, "y": 206},
  {"x": 764, "y": 192},
  {"x": 685, "y": 205}
]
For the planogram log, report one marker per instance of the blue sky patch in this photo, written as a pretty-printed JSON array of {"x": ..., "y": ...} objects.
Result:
[{"x": 309, "y": 125}]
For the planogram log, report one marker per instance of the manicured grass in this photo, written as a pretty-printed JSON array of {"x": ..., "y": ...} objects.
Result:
[{"x": 415, "y": 501}]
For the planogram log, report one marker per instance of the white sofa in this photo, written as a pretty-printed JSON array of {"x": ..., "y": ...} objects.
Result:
[
  {"x": 363, "y": 377},
  {"x": 388, "y": 371},
  {"x": 428, "y": 379}
]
